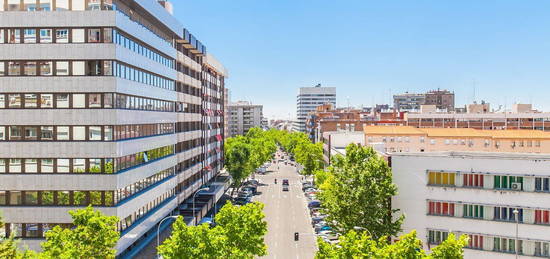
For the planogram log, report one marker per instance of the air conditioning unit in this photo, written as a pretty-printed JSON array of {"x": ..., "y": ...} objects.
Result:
[{"x": 516, "y": 186}]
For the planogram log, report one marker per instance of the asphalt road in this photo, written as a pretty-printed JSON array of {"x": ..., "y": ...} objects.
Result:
[{"x": 286, "y": 213}]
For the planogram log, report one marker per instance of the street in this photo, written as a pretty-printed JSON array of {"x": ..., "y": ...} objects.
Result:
[{"x": 286, "y": 213}]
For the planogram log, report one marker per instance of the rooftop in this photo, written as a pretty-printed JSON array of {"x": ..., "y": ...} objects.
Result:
[{"x": 456, "y": 132}]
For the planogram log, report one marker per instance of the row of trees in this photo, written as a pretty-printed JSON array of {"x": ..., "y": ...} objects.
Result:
[
  {"x": 245, "y": 154},
  {"x": 94, "y": 236},
  {"x": 239, "y": 233},
  {"x": 307, "y": 154}
]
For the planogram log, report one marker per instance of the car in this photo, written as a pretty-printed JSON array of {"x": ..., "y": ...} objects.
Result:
[
  {"x": 252, "y": 189},
  {"x": 314, "y": 204},
  {"x": 253, "y": 182},
  {"x": 245, "y": 193},
  {"x": 242, "y": 200},
  {"x": 285, "y": 182},
  {"x": 285, "y": 188}
]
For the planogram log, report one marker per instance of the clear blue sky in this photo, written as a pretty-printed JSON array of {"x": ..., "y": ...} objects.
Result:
[{"x": 369, "y": 49}]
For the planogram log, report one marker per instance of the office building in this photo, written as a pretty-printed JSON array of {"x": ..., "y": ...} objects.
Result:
[
  {"x": 480, "y": 194},
  {"x": 307, "y": 101},
  {"x": 443, "y": 100},
  {"x": 244, "y": 116},
  {"x": 111, "y": 103},
  {"x": 408, "y": 101}
]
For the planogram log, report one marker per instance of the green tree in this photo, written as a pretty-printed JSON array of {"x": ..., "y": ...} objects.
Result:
[
  {"x": 310, "y": 156},
  {"x": 94, "y": 236},
  {"x": 193, "y": 242},
  {"x": 358, "y": 193},
  {"x": 239, "y": 233},
  {"x": 237, "y": 156},
  {"x": 360, "y": 245},
  {"x": 245, "y": 228}
]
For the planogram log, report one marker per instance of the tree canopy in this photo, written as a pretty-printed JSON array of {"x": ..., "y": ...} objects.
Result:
[
  {"x": 239, "y": 233},
  {"x": 357, "y": 193},
  {"x": 360, "y": 245}
]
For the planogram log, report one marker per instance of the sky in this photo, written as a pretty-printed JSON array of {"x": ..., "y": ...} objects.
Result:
[{"x": 492, "y": 50}]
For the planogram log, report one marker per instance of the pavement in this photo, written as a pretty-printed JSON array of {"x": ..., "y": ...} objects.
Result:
[{"x": 286, "y": 213}]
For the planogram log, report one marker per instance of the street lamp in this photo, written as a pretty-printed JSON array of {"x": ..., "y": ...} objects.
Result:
[
  {"x": 199, "y": 190},
  {"x": 158, "y": 232},
  {"x": 516, "y": 216}
]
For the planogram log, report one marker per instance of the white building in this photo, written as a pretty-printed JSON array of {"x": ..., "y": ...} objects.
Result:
[
  {"x": 244, "y": 116},
  {"x": 476, "y": 193},
  {"x": 109, "y": 103},
  {"x": 308, "y": 99}
]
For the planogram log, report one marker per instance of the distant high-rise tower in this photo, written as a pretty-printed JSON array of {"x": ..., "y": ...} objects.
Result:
[{"x": 308, "y": 99}]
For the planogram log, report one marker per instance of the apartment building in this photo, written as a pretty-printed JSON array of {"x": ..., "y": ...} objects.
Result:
[
  {"x": 326, "y": 118},
  {"x": 243, "y": 116},
  {"x": 489, "y": 121},
  {"x": 443, "y": 100},
  {"x": 487, "y": 196},
  {"x": 410, "y": 139},
  {"x": 308, "y": 99},
  {"x": 111, "y": 103}
]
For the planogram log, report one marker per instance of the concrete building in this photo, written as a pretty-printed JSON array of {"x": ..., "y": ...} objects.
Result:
[
  {"x": 111, "y": 103},
  {"x": 442, "y": 99},
  {"x": 475, "y": 107},
  {"x": 488, "y": 121},
  {"x": 410, "y": 139},
  {"x": 335, "y": 143},
  {"x": 476, "y": 193},
  {"x": 244, "y": 116},
  {"x": 307, "y": 101},
  {"x": 408, "y": 101}
]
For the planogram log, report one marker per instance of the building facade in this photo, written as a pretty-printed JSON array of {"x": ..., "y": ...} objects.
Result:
[
  {"x": 109, "y": 103},
  {"x": 307, "y": 101},
  {"x": 479, "y": 194},
  {"x": 244, "y": 116},
  {"x": 408, "y": 101},
  {"x": 488, "y": 121},
  {"x": 442, "y": 99}
]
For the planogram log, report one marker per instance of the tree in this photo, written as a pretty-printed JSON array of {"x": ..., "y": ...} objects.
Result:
[
  {"x": 9, "y": 249},
  {"x": 193, "y": 242},
  {"x": 94, "y": 236},
  {"x": 237, "y": 156},
  {"x": 360, "y": 245},
  {"x": 239, "y": 233},
  {"x": 245, "y": 228},
  {"x": 310, "y": 156},
  {"x": 358, "y": 193}
]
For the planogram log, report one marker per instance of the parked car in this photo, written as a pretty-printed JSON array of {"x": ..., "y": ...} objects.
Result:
[
  {"x": 244, "y": 193},
  {"x": 285, "y": 188},
  {"x": 314, "y": 204},
  {"x": 252, "y": 189},
  {"x": 252, "y": 182},
  {"x": 242, "y": 200}
]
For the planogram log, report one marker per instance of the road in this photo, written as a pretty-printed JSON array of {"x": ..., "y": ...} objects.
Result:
[{"x": 286, "y": 213}]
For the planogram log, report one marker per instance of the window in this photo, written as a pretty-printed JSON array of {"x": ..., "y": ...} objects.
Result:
[
  {"x": 2, "y": 133},
  {"x": 507, "y": 214},
  {"x": 79, "y": 133},
  {"x": 45, "y": 5},
  {"x": 473, "y": 211},
  {"x": 31, "y": 165},
  {"x": 94, "y": 133},
  {"x": 440, "y": 178},
  {"x": 508, "y": 182},
  {"x": 94, "y": 5},
  {"x": 46, "y": 165},
  {"x": 3, "y": 166},
  {"x": 16, "y": 132},
  {"x": 45, "y": 68},
  {"x": 2, "y": 64},
  {"x": 542, "y": 184},
  {"x": 79, "y": 165},
  {"x": 63, "y": 165},
  {"x": 62, "y": 133},
  {"x": 31, "y": 101},
  {"x": 78, "y": 68},
  {"x": 62, "y": 100},
  {"x": 506, "y": 245},
  {"x": 14, "y": 5},
  {"x": 14, "y": 68},
  {"x": 62, "y": 68},
  {"x": 61, "y": 35},
  {"x": 14, "y": 165},
  {"x": 541, "y": 248},
  {"x": 441, "y": 208},
  {"x": 14, "y": 101},
  {"x": 94, "y": 35},
  {"x": 62, "y": 5},
  {"x": 436, "y": 236},
  {"x": 79, "y": 101},
  {"x": 31, "y": 133},
  {"x": 475, "y": 242},
  {"x": 31, "y": 198},
  {"x": 46, "y": 100},
  {"x": 29, "y": 68},
  {"x": 542, "y": 217},
  {"x": 29, "y": 36},
  {"x": 78, "y": 5},
  {"x": 472, "y": 180}
]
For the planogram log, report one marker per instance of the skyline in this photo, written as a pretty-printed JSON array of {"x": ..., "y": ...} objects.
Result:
[{"x": 378, "y": 50}]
